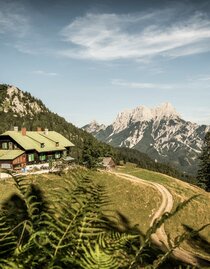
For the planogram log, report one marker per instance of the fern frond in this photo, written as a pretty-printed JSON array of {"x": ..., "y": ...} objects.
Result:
[
  {"x": 115, "y": 240},
  {"x": 7, "y": 239},
  {"x": 157, "y": 224},
  {"x": 95, "y": 258}
]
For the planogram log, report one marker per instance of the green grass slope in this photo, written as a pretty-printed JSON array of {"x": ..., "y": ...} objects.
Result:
[
  {"x": 195, "y": 215},
  {"x": 134, "y": 203}
]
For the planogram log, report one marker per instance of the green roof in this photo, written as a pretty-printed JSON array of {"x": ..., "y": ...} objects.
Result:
[
  {"x": 10, "y": 154},
  {"x": 39, "y": 141},
  {"x": 56, "y": 137}
]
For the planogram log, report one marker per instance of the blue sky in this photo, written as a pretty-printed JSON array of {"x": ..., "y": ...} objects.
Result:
[{"x": 92, "y": 59}]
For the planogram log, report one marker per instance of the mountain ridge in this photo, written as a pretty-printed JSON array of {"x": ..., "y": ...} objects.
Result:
[
  {"x": 159, "y": 132},
  {"x": 87, "y": 148},
  {"x": 16, "y": 110},
  {"x": 15, "y": 101}
]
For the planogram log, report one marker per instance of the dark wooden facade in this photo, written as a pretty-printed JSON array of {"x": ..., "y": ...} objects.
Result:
[
  {"x": 17, "y": 163},
  {"x": 7, "y": 142},
  {"x": 29, "y": 156}
]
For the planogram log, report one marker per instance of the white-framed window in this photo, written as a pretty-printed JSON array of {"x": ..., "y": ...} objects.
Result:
[
  {"x": 10, "y": 145},
  {"x": 6, "y": 165},
  {"x": 31, "y": 157},
  {"x": 4, "y": 145},
  {"x": 42, "y": 157},
  {"x": 57, "y": 155}
]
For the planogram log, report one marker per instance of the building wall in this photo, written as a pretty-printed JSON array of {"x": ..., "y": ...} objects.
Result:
[
  {"x": 21, "y": 160},
  {"x": 112, "y": 164},
  {"x": 6, "y": 164},
  {"x": 35, "y": 157},
  {"x": 7, "y": 142}
]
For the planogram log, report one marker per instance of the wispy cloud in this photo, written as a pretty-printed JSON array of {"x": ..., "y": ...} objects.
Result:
[
  {"x": 204, "y": 78},
  {"x": 34, "y": 45},
  {"x": 189, "y": 84},
  {"x": 140, "y": 85},
  {"x": 13, "y": 19},
  {"x": 137, "y": 36},
  {"x": 44, "y": 73},
  {"x": 200, "y": 78}
]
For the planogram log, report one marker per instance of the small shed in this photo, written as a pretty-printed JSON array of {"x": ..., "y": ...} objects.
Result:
[{"x": 108, "y": 163}]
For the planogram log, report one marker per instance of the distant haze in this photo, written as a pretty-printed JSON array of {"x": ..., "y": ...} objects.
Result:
[{"x": 91, "y": 59}]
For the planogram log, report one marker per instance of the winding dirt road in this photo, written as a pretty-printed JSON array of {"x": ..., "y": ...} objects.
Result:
[{"x": 160, "y": 238}]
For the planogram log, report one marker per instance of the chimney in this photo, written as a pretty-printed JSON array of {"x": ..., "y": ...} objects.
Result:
[
  {"x": 46, "y": 131},
  {"x": 23, "y": 130},
  {"x": 38, "y": 129},
  {"x": 16, "y": 128}
]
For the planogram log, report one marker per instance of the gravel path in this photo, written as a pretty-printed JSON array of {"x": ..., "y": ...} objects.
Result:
[{"x": 160, "y": 237}]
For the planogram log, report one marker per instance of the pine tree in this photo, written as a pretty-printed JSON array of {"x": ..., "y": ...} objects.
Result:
[
  {"x": 204, "y": 171},
  {"x": 90, "y": 153}
]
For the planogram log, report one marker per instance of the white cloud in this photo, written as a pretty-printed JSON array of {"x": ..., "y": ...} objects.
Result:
[
  {"x": 140, "y": 85},
  {"x": 13, "y": 19},
  {"x": 44, "y": 73},
  {"x": 136, "y": 36}
]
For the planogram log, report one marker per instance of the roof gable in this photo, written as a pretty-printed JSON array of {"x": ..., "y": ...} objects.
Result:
[
  {"x": 107, "y": 161},
  {"x": 10, "y": 154},
  {"x": 24, "y": 141},
  {"x": 40, "y": 141},
  {"x": 56, "y": 137}
]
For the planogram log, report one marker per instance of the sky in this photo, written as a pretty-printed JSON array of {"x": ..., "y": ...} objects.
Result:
[{"x": 89, "y": 60}]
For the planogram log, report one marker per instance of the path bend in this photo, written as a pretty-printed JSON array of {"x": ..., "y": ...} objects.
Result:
[{"x": 160, "y": 238}]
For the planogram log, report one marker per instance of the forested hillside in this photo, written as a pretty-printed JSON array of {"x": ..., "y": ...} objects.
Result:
[{"x": 18, "y": 108}]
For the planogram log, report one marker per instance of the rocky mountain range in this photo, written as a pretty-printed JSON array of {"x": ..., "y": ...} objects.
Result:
[
  {"x": 20, "y": 104},
  {"x": 21, "y": 109},
  {"x": 159, "y": 132}
]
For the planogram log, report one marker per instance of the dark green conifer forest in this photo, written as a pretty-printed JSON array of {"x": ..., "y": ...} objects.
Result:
[
  {"x": 204, "y": 171},
  {"x": 87, "y": 148}
]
